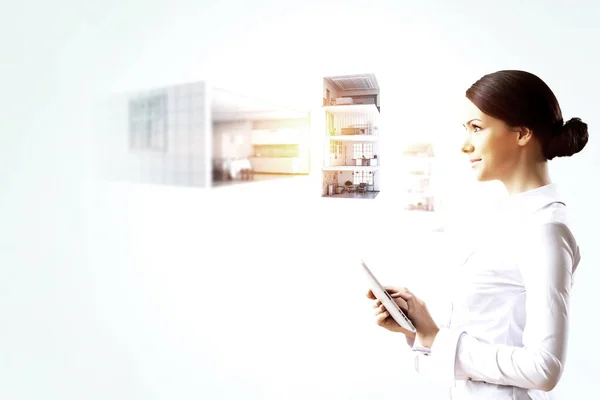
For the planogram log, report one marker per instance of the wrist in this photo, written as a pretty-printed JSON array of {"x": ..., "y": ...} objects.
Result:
[{"x": 426, "y": 340}]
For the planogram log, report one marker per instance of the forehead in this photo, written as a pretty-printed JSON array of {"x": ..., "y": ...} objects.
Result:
[{"x": 469, "y": 111}]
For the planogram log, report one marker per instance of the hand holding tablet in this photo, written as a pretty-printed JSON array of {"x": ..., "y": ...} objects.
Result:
[{"x": 388, "y": 305}]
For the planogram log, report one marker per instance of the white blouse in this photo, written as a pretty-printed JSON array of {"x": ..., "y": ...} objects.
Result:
[{"x": 506, "y": 337}]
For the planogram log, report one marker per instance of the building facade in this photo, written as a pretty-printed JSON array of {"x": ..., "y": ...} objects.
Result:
[{"x": 351, "y": 136}]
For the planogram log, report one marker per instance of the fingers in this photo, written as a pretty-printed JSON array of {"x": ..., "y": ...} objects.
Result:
[
  {"x": 379, "y": 309},
  {"x": 381, "y": 313},
  {"x": 403, "y": 304},
  {"x": 392, "y": 290},
  {"x": 403, "y": 297},
  {"x": 381, "y": 317},
  {"x": 395, "y": 290},
  {"x": 407, "y": 300},
  {"x": 403, "y": 293},
  {"x": 397, "y": 298},
  {"x": 412, "y": 301}
]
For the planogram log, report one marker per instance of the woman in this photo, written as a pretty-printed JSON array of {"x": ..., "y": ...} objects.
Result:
[{"x": 506, "y": 337}]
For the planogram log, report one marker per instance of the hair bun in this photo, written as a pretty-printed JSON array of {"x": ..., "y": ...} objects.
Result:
[{"x": 570, "y": 139}]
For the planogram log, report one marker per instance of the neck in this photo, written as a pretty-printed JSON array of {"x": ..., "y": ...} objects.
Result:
[{"x": 531, "y": 177}]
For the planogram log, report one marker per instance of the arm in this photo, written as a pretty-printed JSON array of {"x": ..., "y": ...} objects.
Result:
[
  {"x": 546, "y": 263},
  {"x": 444, "y": 323}
]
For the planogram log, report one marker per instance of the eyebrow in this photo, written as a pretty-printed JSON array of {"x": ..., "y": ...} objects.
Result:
[{"x": 468, "y": 122}]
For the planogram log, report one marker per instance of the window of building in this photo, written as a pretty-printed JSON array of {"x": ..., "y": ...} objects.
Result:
[
  {"x": 148, "y": 123},
  {"x": 363, "y": 150},
  {"x": 335, "y": 149},
  {"x": 357, "y": 150},
  {"x": 363, "y": 177},
  {"x": 368, "y": 150}
]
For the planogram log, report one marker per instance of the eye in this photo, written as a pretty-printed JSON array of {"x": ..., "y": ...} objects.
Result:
[{"x": 476, "y": 128}]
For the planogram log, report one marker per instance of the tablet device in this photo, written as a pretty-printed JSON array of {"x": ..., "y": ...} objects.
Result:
[{"x": 384, "y": 297}]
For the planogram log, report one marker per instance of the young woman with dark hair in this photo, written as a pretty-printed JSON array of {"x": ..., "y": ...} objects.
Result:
[{"x": 506, "y": 337}]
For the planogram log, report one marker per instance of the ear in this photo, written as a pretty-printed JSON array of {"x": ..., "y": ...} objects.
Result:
[{"x": 524, "y": 136}]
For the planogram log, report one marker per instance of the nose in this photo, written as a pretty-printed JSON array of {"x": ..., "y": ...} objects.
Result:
[{"x": 467, "y": 147}]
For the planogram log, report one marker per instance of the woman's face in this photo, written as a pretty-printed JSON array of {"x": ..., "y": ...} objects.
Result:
[{"x": 491, "y": 145}]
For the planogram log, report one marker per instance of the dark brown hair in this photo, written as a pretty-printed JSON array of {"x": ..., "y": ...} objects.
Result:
[{"x": 521, "y": 99}]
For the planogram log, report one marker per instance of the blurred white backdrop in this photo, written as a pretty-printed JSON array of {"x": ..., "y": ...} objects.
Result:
[{"x": 251, "y": 292}]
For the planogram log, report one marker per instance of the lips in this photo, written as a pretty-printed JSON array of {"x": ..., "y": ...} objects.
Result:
[{"x": 475, "y": 161}]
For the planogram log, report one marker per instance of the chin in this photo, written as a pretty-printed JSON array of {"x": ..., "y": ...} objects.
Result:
[{"x": 481, "y": 176}]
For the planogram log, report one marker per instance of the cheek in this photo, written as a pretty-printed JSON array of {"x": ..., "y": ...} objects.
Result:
[
  {"x": 502, "y": 150},
  {"x": 484, "y": 146},
  {"x": 500, "y": 158},
  {"x": 495, "y": 147}
]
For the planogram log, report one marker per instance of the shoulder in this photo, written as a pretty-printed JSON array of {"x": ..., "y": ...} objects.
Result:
[
  {"x": 547, "y": 235},
  {"x": 551, "y": 223},
  {"x": 551, "y": 233}
]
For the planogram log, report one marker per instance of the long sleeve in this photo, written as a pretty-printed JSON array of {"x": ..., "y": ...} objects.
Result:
[{"x": 547, "y": 256}]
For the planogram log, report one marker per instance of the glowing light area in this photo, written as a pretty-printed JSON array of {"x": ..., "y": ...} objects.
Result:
[{"x": 251, "y": 294}]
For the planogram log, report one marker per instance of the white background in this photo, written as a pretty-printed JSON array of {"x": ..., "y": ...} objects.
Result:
[{"x": 250, "y": 292}]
